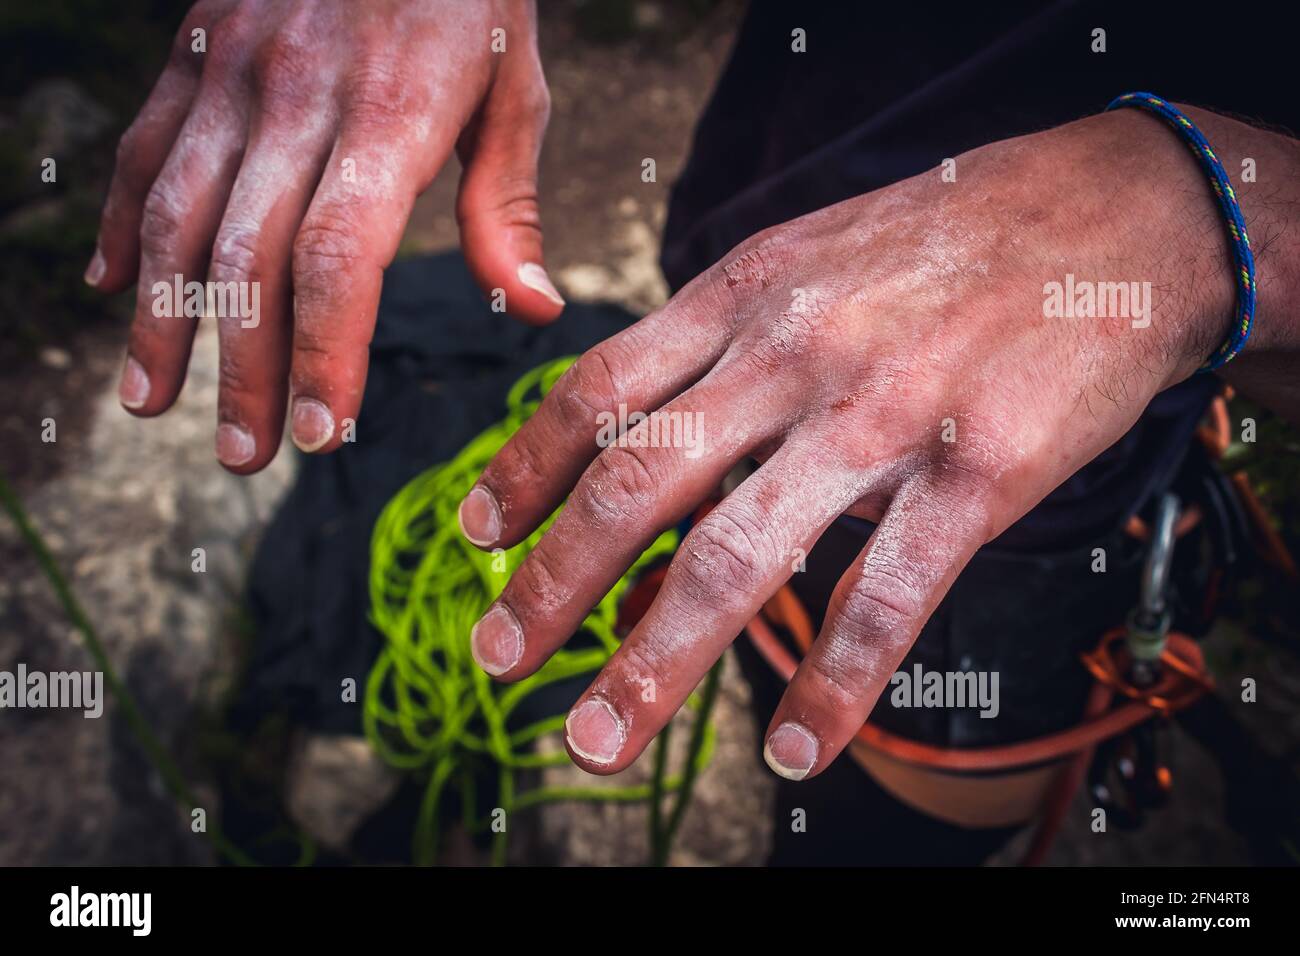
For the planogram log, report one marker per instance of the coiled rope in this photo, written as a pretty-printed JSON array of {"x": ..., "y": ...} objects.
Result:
[{"x": 429, "y": 709}]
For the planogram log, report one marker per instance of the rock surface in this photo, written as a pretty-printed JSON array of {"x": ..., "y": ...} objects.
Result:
[
  {"x": 123, "y": 521},
  {"x": 335, "y": 784}
]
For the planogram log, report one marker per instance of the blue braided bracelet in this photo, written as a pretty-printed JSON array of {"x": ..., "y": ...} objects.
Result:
[{"x": 1236, "y": 340}]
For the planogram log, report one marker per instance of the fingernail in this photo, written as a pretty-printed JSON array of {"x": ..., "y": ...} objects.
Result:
[
  {"x": 497, "y": 641},
  {"x": 313, "y": 425},
  {"x": 480, "y": 517},
  {"x": 595, "y": 733},
  {"x": 235, "y": 444},
  {"x": 95, "y": 271},
  {"x": 133, "y": 391},
  {"x": 791, "y": 751},
  {"x": 535, "y": 277}
]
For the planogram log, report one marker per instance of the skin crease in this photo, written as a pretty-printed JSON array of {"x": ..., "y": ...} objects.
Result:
[
  {"x": 234, "y": 171},
  {"x": 917, "y": 304}
]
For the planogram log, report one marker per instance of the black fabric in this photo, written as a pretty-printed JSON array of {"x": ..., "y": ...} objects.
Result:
[
  {"x": 887, "y": 91},
  {"x": 440, "y": 365}
]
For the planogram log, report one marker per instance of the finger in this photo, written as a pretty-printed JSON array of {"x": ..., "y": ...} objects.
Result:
[
  {"x": 627, "y": 497},
  {"x": 254, "y": 252},
  {"x": 141, "y": 153},
  {"x": 349, "y": 236},
  {"x": 290, "y": 140},
  {"x": 500, "y": 225},
  {"x": 730, "y": 563},
  {"x": 177, "y": 228},
  {"x": 381, "y": 161},
  {"x": 640, "y": 368},
  {"x": 929, "y": 533}
]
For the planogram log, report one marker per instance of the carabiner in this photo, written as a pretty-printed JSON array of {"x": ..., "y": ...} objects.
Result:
[{"x": 1148, "y": 623}]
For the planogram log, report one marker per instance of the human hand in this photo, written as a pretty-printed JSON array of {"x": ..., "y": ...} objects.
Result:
[
  {"x": 895, "y": 356},
  {"x": 286, "y": 157}
]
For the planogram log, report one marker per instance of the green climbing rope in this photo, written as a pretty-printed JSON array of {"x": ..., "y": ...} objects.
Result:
[{"x": 429, "y": 709}]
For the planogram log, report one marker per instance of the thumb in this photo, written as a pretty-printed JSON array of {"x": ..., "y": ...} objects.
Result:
[{"x": 500, "y": 226}]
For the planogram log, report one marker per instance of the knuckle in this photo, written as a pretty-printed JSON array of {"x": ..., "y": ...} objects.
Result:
[
  {"x": 884, "y": 605},
  {"x": 694, "y": 575},
  {"x": 758, "y": 361},
  {"x": 283, "y": 69},
  {"x": 161, "y": 218},
  {"x": 726, "y": 549},
  {"x": 234, "y": 254},
  {"x": 841, "y": 675},
  {"x": 537, "y": 587},
  {"x": 540, "y": 106},
  {"x": 519, "y": 209},
  {"x": 509, "y": 200},
  {"x": 376, "y": 94},
  {"x": 588, "y": 389},
  {"x": 641, "y": 661},
  {"x": 527, "y": 462},
  {"x": 791, "y": 336},
  {"x": 617, "y": 486},
  {"x": 328, "y": 241},
  {"x": 329, "y": 260},
  {"x": 227, "y": 48},
  {"x": 234, "y": 33},
  {"x": 967, "y": 486}
]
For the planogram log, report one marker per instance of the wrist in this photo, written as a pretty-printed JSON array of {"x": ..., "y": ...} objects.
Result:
[
  {"x": 1260, "y": 168},
  {"x": 1181, "y": 235},
  {"x": 1265, "y": 170}
]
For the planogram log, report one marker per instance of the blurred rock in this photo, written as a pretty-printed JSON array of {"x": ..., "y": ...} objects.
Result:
[
  {"x": 629, "y": 274},
  {"x": 334, "y": 784},
  {"x": 123, "y": 519}
]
